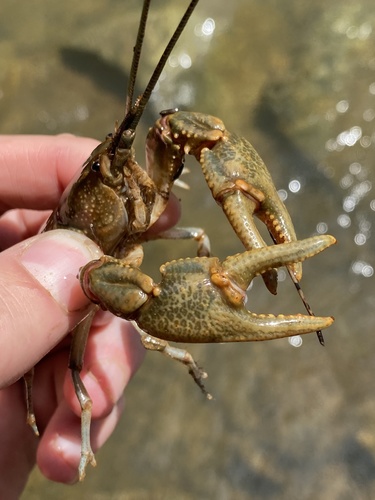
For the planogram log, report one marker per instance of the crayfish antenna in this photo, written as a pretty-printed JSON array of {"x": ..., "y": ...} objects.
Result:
[
  {"x": 303, "y": 298},
  {"x": 306, "y": 304},
  {"x": 136, "y": 56},
  {"x": 135, "y": 110}
]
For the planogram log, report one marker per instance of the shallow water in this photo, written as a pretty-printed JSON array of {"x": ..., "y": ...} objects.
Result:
[{"x": 298, "y": 80}]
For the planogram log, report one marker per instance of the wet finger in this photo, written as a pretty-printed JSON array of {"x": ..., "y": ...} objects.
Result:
[
  {"x": 36, "y": 169},
  {"x": 40, "y": 297}
]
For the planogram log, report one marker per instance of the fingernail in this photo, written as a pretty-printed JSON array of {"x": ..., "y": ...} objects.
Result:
[{"x": 54, "y": 259}]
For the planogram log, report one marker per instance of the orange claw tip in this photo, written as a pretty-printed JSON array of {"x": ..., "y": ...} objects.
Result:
[
  {"x": 332, "y": 239},
  {"x": 328, "y": 240},
  {"x": 329, "y": 320}
]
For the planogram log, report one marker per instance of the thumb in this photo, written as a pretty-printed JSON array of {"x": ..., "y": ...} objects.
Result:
[{"x": 40, "y": 297}]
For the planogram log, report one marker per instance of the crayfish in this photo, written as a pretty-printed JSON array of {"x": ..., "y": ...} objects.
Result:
[{"x": 114, "y": 201}]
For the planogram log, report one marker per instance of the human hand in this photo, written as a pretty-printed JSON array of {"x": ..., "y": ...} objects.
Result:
[{"x": 40, "y": 301}]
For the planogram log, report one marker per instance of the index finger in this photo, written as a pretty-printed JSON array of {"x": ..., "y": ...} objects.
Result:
[{"x": 35, "y": 169}]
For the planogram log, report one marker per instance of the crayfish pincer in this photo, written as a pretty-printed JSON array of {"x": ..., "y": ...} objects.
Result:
[
  {"x": 201, "y": 299},
  {"x": 114, "y": 201}
]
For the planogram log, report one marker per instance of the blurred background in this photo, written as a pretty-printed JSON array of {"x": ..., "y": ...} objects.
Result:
[{"x": 296, "y": 78}]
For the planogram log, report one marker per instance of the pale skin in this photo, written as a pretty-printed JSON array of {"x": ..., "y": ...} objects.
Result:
[{"x": 34, "y": 171}]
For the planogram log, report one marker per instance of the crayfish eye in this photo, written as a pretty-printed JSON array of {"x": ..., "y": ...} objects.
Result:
[{"x": 95, "y": 167}]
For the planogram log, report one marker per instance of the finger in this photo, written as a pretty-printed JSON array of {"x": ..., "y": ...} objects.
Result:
[
  {"x": 19, "y": 224},
  {"x": 169, "y": 217},
  {"x": 45, "y": 164},
  {"x": 48, "y": 383},
  {"x": 59, "y": 450},
  {"x": 40, "y": 297},
  {"x": 113, "y": 354}
]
